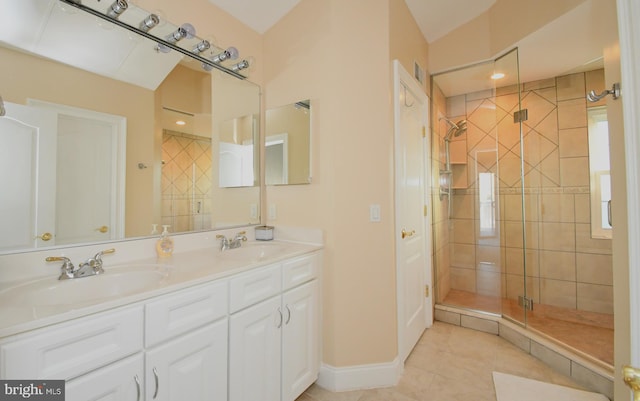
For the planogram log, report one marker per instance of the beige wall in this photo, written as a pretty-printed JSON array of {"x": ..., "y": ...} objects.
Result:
[
  {"x": 337, "y": 54},
  {"x": 494, "y": 31},
  {"x": 406, "y": 42}
]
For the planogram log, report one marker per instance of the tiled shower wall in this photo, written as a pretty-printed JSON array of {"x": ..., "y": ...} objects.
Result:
[
  {"x": 186, "y": 181},
  {"x": 565, "y": 267}
]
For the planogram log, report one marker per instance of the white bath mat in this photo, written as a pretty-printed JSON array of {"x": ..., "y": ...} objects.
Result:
[{"x": 514, "y": 388}]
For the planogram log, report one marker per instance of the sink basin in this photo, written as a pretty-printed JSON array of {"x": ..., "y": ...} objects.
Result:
[
  {"x": 114, "y": 283},
  {"x": 253, "y": 251}
]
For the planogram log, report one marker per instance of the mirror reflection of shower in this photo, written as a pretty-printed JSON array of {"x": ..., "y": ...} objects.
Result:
[{"x": 454, "y": 131}]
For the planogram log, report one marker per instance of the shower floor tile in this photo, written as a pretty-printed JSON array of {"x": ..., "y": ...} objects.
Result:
[{"x": 587, "y": 332}]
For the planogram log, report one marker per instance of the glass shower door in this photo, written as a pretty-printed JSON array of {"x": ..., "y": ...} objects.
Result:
[
  {"x": 510, "y": 188},
  {"x": 480, "y": 251}
]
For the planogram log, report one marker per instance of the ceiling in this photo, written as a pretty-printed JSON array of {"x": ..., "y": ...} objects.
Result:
[
  {"x": 435, "y": 18},
  {"x": 542, "y": 54}
]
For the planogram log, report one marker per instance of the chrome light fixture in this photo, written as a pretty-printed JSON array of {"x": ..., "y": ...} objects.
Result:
[
  {"x": 200, "y": 47},
  {"x": 244, "y": 64},
  {"x": 117, "y": 8},
  {"x": 185, "y": 30},
  {"x": 151, "y": 21},
  {"x": 229, "y": 54}
]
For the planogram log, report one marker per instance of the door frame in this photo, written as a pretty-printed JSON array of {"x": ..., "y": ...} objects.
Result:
[
  {"x": 402, "y": 78},
  {"x": 119, "y": 126},
  {"x": 629, "y": 32}
]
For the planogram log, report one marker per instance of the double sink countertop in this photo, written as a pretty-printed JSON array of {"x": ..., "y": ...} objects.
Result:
[{"x": 31, "y": 304}]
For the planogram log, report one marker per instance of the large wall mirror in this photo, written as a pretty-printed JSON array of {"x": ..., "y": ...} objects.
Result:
[
  {"x": 106, "y": 134},
  {"x": 288, "y": 144}
]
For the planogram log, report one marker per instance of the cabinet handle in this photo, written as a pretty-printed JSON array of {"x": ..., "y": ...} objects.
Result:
[
  {"x": 137, "y": 386},
  {"x": 281, "y": 319},
  {"x": 288, "y": 314},
  {"x": 155, "y": 375}
]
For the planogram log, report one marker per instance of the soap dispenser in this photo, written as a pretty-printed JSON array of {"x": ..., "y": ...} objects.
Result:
[{"x": 164, "y": 246}]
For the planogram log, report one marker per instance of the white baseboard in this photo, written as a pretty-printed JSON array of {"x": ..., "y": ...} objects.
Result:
[{"x": 360, "y": 377}]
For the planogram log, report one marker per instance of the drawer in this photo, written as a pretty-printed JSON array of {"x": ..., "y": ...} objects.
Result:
[
  {"x": 299, "y": 270},
  {"x": 254, "y": 286},
  {"x": 120, "y": 381},
  {"x": 179, "y": 313},
  {"x": 70, "y": 349}
]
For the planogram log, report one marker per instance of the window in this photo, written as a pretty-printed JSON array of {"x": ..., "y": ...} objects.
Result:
[
  {"x": 487, "y": 204},
  {"x": 600, "y": 174}
]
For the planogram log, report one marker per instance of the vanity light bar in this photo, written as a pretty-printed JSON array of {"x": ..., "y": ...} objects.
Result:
[{"x": 231, "y": 71}]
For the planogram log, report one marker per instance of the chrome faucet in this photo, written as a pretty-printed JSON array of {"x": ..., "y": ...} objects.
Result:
[
  {"x": 231, "y": 243},
  {"x": 89, "y": 267}
]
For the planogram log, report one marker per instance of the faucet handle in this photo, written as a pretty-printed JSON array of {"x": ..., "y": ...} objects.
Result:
[
  {"x": 241, "y": 236},
  {"x": 105, "y": 252},
  {"x": 66, "y": 261},
  {"x": 66, "y": 270},
  {"x": 97, "y": 260}
]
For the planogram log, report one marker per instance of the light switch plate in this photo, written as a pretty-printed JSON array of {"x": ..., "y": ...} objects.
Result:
[{"x": 374, "y": 213}]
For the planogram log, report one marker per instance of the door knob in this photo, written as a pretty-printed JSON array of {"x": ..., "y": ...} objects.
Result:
[
  {"x": 406, "y": 233},
  {"x": 102, "y": 229},
  {"x": 45, "y": 236},
  {"x": 631, "y": 377}
]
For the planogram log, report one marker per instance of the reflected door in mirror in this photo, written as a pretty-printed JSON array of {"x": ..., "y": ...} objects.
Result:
[{"x": 27, "y": 168}]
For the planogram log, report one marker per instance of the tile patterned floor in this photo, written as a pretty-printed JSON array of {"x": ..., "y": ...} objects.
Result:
[
  {"x": 452, "y": 363},
  {"x": 561, "y": 324}
]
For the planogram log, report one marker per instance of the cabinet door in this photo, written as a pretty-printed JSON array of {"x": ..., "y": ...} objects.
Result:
[
  {"x": 255, "y": 352},
  {"x": 300, "y": 350},
  {"x": 192, "y": 367},
  {"x": 120, "y": 381}
]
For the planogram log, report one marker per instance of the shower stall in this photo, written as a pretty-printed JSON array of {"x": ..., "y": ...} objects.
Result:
[{"x": 520, "y": 227}]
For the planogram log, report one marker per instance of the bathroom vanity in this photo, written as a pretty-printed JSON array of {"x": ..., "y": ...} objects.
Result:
[{"x": 242, "y": 324}]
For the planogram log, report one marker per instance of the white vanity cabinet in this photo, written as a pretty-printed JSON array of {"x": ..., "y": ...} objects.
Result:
[
  {"x": 186, "y": 345},
  {"x": 249, "y": 336},
  {"x": 120, "y": 381},
  {"x": 274, "y": 333},
  {"x": 99, "y": 355},
  {"x": 170, "y": 347}
]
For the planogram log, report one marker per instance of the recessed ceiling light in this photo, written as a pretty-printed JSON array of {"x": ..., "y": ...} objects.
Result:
[
  {"x": 497, "y": 75},
  {"x": 180, "y": 122}
]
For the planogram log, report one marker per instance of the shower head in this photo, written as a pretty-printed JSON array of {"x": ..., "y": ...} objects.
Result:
[{"x": 455, "y": 129}]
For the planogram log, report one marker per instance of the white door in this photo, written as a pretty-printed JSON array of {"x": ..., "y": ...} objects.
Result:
[
  {"x": 299, "y": 340},
  {"x": 120, "y": 381},
  {"x": 192, "y": 367},
  {"x": 255, "y": 352},
  {"x": 629, "y": 31},
  {"x": 90, "y": 174},
  {"x": 85, "y": 170},
  {"x": 413, "y": 232},
  {"x": 27, "y": 171}
]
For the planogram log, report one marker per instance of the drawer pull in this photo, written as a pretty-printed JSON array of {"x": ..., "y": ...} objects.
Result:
[
  {"x": 155, "y": 375},
  {"x": 137, "y": 386}
]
